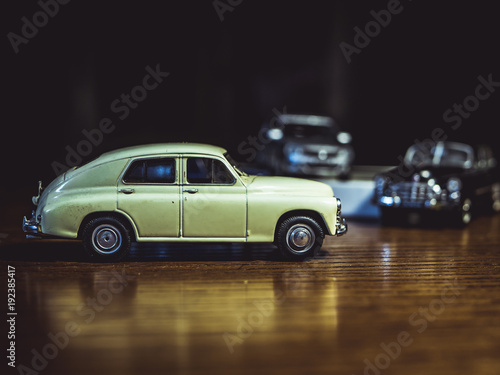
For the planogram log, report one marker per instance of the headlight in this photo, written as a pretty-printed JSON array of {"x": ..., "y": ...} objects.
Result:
[
  {"x": 453, "y": 184},
  {"x": 275, "y": 134},
  {"x": 436, "y": 189},
  {"x": 344, "y": 138},
  {"x": 293, "y": 149}
]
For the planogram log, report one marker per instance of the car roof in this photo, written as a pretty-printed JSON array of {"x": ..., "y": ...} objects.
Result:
[
  {"x": 311, "y": 120},
  {"x": 161, "y": 148},
  {"x": 149, "y": 150}
]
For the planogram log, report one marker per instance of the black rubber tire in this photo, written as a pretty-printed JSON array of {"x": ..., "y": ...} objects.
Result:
[
  {"x": 106, "y": 239},
  {"x": 303, "y": 226}
]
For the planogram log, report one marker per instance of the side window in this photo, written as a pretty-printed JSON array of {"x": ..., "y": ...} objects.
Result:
[
  {"x": 220, "y": 174},
  {"x": 159, "y": 171},
  {"x": 199, "y": 170},
  {"x": 208, "y": 171},
  {"x": 135, "y": 172}
]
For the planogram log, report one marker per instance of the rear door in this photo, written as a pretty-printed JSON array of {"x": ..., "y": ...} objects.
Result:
[{"x": 149, "y": 192}]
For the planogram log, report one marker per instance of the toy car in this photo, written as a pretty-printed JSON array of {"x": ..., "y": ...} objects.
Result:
[
  {"x": 307, "y": 145},
  {"x": 446, "y": 176},
  {"x": 182, "y": 192}
]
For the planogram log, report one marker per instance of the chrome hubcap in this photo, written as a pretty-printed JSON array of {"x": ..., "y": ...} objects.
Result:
[
  {"x": 106, "y": 239},
  {"x": 300, "y": 238}
]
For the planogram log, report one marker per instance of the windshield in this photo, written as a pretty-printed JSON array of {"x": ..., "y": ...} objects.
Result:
[
  {"x": 234, "y": 164},
  {"x": 443, "y": 154},
  {"x": 307, "y": 131}
]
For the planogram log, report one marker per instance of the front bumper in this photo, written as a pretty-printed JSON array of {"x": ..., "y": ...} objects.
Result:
[
  {"x": 341, "y": 225},
  {"x": 427, "y": 204},
  {"x": 31, "y": 227},
  {"x": 316, "y": 168}
]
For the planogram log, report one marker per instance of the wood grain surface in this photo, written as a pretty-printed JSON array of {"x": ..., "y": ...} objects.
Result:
[{"x": 380, "y": 300}]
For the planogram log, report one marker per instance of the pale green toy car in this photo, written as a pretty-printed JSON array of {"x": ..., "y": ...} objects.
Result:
[{"x": 182, "y": 192}]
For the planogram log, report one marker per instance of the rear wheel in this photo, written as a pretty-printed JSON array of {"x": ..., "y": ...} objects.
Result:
[
  {"x": 299, "y": 237},
  {"x": 106, "y": 239}
]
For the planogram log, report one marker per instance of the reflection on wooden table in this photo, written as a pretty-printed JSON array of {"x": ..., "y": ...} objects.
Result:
[{"x": 378, "y": 301}]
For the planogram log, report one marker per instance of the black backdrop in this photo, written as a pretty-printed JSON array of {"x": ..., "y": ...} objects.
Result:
[{"x": 227, "y": 76}]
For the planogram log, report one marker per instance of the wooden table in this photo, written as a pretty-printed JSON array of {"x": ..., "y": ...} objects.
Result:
[{"x": 380, "y": 300}]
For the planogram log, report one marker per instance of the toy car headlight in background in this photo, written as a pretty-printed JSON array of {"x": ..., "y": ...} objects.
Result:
[
  {"x": 344, "y": 138},
  {"x": 275, "y": 134},
  {"x": 294, "y": 152},
  {"x": 292, "y": 148},
  {"x": 434, "y": 186},
  {"x": 453, "y": 185}
]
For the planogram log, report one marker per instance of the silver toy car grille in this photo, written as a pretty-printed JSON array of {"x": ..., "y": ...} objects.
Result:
[{"x": 412, "y": 191}]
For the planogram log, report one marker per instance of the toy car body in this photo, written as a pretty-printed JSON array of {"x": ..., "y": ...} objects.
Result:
[
  {"x": 181, "y": 192},
  {"x": 449, "y": 176},
  {"x": 307, "y": 145}
]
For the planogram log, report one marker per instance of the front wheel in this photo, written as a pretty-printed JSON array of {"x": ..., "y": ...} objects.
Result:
[
  {"x": 106, "y": 239},
  {"x": 299, "y": 237}
]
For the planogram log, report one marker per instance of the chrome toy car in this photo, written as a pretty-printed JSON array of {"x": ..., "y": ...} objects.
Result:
[
  {"x": 307, "y": 145},
  {"x": 447, "y": 176},
  {"x": 181, "y": 192}
]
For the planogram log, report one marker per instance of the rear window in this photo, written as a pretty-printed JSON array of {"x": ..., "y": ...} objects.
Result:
[{"x": 159, "y": 171}]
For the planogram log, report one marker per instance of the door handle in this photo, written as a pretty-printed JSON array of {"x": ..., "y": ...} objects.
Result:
[
  {"x": 190, "y": 191},
  {"x": 127, "y": 191}
]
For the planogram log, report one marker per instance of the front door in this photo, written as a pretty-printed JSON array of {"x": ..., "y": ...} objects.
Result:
[
  {"x": 149, "y": 192},
  {"x": 214, "y": 201}
]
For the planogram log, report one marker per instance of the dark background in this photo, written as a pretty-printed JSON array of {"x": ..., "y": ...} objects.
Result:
[{"x": 227, "y": 76}]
